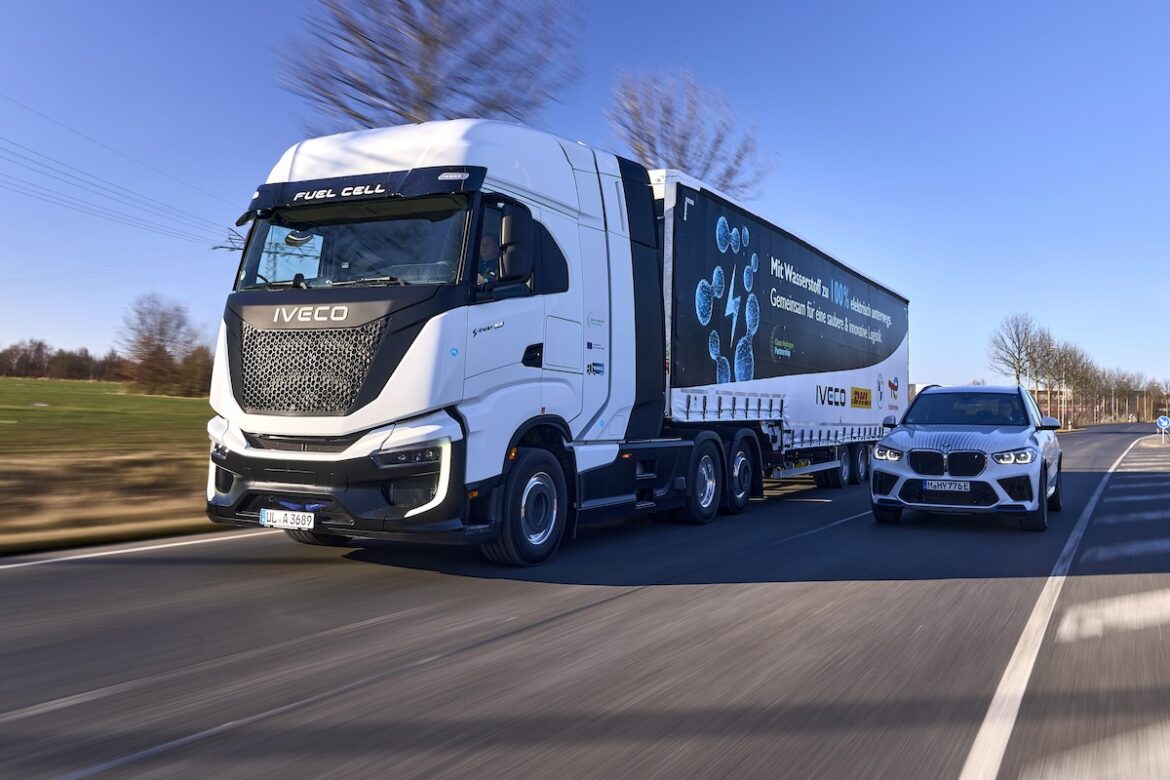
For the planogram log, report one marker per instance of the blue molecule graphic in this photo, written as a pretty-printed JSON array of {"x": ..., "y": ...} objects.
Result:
[
  {"x": 717, "y": 282},
  {"x": 735, "y": 240},
  {"x": 704, "y": 302},
  {"x": 713, "y": 344},
  {"x": 743, "y": 236},
  {"x": 752, "y": 313},
  {"x": 722, "y": 234},
  {"x": 748, "y": 277},
  {"x": 755, "y": 260},
  {"x": 722, "y": 371},
  {"x": 745, "y": 361}
]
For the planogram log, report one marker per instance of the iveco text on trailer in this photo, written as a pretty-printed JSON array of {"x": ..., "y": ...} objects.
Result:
[{"x": 475, "y": 332}]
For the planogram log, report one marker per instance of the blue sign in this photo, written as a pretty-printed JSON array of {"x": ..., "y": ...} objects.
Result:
[{"x": 1163, "y": 422}]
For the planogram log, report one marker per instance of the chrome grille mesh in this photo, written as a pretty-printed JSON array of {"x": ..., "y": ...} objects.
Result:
[{"x": 313, "y": 371}]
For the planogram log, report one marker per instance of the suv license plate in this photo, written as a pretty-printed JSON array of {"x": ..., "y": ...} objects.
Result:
[
  {"x": 946, "y": 486},
  {"x": 294, "y": 521}
]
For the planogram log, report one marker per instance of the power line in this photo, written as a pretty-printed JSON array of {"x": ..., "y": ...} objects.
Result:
[
  {"x": 127, "y": 195},
  {"x": 112, "y": 149},
  {"x": 103, "y": 213}
]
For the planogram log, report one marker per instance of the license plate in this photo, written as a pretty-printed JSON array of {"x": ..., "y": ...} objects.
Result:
[
  {"x": 948, "y": 486},
  {"x": 294, "y": 521}
]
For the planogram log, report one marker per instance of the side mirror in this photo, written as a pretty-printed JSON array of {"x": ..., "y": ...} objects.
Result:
[
  {"x": 516, "y": 244},
  {"x": 890, "y": 421},
  {"x": 1048, "y": 424}
]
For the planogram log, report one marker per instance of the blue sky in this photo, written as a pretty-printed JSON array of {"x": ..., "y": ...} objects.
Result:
[{"x": 982, "y": 159}]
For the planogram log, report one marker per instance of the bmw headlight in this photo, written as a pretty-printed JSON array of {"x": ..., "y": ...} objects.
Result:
[
  {"x": 885, "y": 453},
  {"x": 1019, "y": 457}
]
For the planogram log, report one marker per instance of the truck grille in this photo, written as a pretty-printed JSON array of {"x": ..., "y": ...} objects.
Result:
[{"x": 313, "y": 371}]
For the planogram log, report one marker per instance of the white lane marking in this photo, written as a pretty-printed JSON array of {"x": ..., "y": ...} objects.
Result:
[
  {"x": 126, "y": 551},
  {"x": 1138, "y": 497},
  {"x": 987, "y": 750},
  {"x": 1162, "y": 483},
  {"x": 1141, "y": 753},
  {"x": 1123, "y": 613},
  {"x": 1111, "y": 552},
  {"x": 1134, "y": 517},
  {"x": 810, "y": 500}
]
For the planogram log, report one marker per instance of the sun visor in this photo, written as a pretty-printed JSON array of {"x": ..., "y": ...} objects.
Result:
[{"x": 443, "y": 180}]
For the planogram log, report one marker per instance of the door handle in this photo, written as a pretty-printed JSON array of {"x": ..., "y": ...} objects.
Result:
[{"x": 533, "y": 356}]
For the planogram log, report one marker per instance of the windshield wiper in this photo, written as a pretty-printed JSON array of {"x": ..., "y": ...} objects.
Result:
[
  {"x": 370, "y": 280},
  {"x": 297, "y": 281}
]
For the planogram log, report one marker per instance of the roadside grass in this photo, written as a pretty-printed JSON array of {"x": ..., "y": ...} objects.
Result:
[{"x": 85, "y": 454}]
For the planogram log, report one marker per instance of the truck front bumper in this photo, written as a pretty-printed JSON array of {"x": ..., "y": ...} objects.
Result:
[{"x": 388, "y": 493}]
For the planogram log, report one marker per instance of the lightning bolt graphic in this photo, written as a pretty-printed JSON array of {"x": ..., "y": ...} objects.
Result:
[{"x": 732, "y": 310}]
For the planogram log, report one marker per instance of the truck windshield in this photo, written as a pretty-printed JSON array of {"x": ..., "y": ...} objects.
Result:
[
  {"x": 390, "y": 242},
  {"x": 967, "y": 409}
]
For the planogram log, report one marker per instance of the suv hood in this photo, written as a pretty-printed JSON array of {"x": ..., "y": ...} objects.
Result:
[{"x": 955, "y": 438}]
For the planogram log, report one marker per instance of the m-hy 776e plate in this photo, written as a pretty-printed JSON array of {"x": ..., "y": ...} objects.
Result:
[{"x": 945, "y": 485}]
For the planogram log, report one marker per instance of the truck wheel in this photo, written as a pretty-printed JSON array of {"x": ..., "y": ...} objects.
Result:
[
  {"x": 741, "y": 476},
  {"x": 319, "y": 539},
  {"x": 887, "y": 516},
  {"x": 842, "y": 475},
  {"x": 705, "y": 480},
  {"x": 1037, "y": 519},
  {"x": 859, "y": 455},
  {"x": 534, "y": 511},
  {"x": 1054, "y": 501}
]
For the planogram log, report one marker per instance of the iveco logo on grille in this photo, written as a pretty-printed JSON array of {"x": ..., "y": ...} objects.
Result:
[{"x": 310, "y": 314}]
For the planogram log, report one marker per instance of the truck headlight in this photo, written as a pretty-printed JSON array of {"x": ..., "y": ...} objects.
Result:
[
  {"x": 1010, "y": 457},
  {"x": 885, "y": 453},
  {"x": 430, "y": 453}
]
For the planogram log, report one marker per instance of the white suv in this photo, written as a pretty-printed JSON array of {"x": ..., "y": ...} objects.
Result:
[{"x": 969, "y": 449}]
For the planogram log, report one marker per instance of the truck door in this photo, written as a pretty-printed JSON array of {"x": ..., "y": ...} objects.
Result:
[{"x": 564, "y": 340}]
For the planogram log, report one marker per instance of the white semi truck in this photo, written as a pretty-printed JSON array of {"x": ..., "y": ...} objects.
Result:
[{"x": 475, "y": 332}]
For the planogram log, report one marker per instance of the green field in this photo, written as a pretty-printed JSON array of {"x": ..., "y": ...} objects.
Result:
[{"x": 57, "y": 416}]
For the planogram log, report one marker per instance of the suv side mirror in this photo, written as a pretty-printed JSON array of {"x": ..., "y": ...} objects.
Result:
[
  {"x": 516, "y": 244},
  {"x": 1048, "y": 424},
  {"x": 890, "y": 421}
]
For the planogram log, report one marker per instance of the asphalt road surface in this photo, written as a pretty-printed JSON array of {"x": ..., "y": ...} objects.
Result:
[{"x": 798, "y": 639}]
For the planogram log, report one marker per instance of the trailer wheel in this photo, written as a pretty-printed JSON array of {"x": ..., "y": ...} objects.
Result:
[
  {"x": 705, "y": 483},
  {"x": 741, "y": 475},
  {"x": 843, "y": 474},
  {"x": 859, "y": 454},
  {"x": 317, "y": 539},
  {"x": 534, "y": 511}
]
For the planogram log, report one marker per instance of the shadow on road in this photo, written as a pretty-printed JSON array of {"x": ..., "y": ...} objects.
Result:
[{"x": 773, "y": 542}]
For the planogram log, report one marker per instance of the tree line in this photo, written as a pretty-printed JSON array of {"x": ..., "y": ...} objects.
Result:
[
  {"x": 1066, "y": 382},
  {"x": 161, "y": 354}
]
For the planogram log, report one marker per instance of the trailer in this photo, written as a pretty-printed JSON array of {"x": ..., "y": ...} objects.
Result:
[{"x": 473, "y": 332}]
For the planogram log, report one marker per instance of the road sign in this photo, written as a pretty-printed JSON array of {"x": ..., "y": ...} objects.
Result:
[{"x": 1163, "y": 422}]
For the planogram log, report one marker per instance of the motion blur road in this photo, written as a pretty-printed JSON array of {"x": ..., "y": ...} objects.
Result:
[{"x": 798, "y": 639}]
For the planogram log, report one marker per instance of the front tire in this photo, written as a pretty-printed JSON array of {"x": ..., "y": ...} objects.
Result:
[
  {"x": 316, "y": 538},
  {"x": 1037, "y": 519},
  {"x": 1055, "y": 500},
  {"x": 741, "y": 476},
  {"x": 535, "y": 505},
  {"x": 705, "y": 483}
]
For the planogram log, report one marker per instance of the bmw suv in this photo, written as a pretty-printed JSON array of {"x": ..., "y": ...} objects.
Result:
[{"x": 969, "y": 449}]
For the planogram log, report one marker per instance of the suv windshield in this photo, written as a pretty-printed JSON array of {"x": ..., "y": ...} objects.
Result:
[
  {"x": 967, "y": 409},
  {"x": 412, "y": 241}
]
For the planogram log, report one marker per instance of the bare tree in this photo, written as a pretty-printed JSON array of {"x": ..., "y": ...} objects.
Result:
[
  {"x": 670, "y": 121},
  {"x": 157, "y": 335},
  {"x": 373, "y": 63},
  {"x": 1011, "y": 346}
]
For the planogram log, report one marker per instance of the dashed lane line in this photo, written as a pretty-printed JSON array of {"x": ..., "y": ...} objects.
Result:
[
  {"x": 1122, "y": 613},
  {"x": 1111, "y": 552}
]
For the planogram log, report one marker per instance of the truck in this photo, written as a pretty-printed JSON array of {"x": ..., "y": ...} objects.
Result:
[{"x": 475, "y": 332}]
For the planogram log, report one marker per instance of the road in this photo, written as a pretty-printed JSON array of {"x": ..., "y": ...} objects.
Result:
[{"x": 798, "y": 639}]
